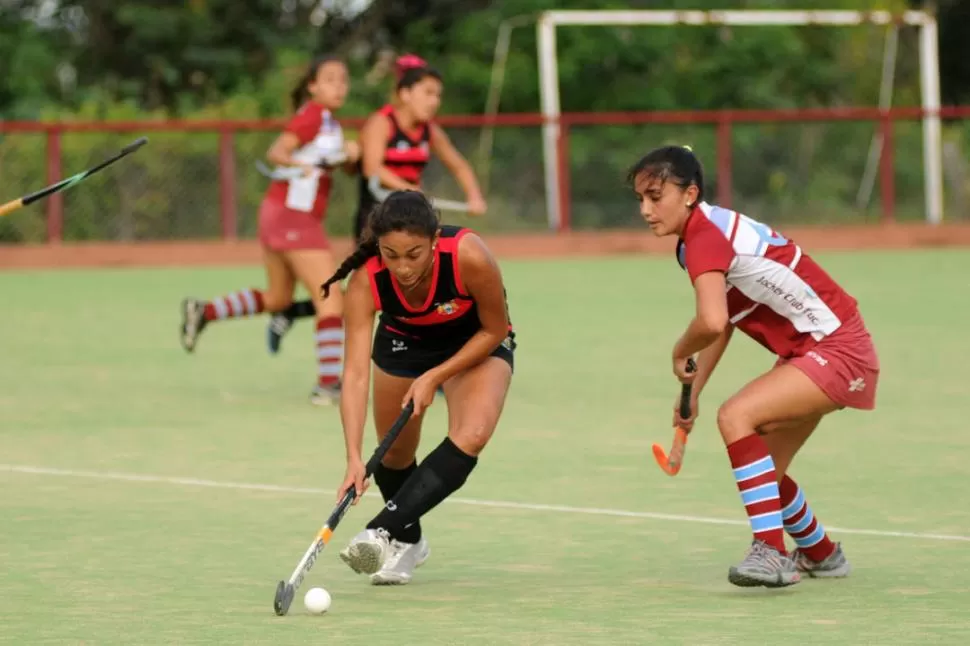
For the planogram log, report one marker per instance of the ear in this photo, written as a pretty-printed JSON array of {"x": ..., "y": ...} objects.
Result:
[
  {"x": 434, "y": 240},
  {"x": 691, "y": 193}
]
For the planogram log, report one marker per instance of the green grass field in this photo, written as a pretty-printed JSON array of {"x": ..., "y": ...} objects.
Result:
[{"x": 150, "y": 497}]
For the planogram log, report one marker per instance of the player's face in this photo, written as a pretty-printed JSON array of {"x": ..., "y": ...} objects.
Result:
[
  {"x": 331, "y": 84},
  {"x": 663, "y": 204},
  {"x": 424, "y": 98},
  {"x": 408, "y": 256}
]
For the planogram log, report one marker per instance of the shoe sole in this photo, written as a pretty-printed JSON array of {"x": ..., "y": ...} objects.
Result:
[
  {"x": 744, "y": 580},
  {"x": 190, "y": 321},
  {"x": 363, "y": 558},
  {"x": 836, "y": 573},
  {"x": 377, "y": 579}
]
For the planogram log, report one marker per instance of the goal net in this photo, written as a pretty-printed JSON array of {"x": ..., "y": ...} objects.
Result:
[{"x": 550, "y": 22}]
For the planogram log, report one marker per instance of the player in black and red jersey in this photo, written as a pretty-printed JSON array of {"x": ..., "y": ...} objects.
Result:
[
  {"x": 397, "y": 142},
  {"x": 444, "y": 322}
]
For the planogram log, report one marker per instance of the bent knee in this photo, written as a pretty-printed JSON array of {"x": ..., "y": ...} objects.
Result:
[
  {"x": 733, "y": 421},
  {"x": 473, "y": 437}
]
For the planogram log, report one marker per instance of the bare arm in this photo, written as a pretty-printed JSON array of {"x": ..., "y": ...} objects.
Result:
[
  {"x": 483, "y": 282},
  {"x": 708, "y": 359},
  {"x": 359, "y": 314},
  {"x": 373, "y": 137},
  {"x": 281, "y": 151},
  {"x": 711, "y": 318},
  {"x": 458, "y": 166}
]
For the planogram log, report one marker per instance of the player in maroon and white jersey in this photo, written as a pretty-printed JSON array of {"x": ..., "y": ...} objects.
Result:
[
  {"x": 444, "y": 322},
  {"x": 295, "y": 246},
  {"x": 397, "y": 142},
  {"x": 750, "y": 277}
]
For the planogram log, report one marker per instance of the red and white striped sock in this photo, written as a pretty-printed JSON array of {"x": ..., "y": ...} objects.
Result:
[
  {"x": 330, "y": 350},
  {"x": 242, "y": 303}
]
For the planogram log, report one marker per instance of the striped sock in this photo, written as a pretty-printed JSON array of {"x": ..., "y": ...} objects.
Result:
[
  {"x": 330, "y": 349},
  {"x": 754, "y": 471},
  {"x": 801, "y": 524},
  {"x": 242, "y": 303}
]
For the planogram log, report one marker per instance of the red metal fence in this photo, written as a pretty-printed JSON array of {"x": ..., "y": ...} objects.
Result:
[{"x": 580, "y": 137}]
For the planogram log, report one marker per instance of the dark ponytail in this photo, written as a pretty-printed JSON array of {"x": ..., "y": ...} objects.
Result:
[
  {"x": 301, "y": 92},
  {"x": 366, "y": 249}
]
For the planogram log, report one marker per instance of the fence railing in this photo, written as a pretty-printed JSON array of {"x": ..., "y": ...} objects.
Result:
[{"x": 196, "y": 179}]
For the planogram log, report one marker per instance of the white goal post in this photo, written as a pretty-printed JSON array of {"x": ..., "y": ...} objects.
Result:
[{"x": 929, "y": 70}]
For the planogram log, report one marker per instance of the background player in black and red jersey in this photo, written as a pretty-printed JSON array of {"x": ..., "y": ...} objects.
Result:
[
  {"x": 444, "y": 322},
  {"x": 397, "y": 142}
]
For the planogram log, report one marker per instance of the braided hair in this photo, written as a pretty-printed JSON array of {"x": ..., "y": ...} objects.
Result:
[
  {"x": 676, "y": 164},
  {"x": 408, "y": 211}
]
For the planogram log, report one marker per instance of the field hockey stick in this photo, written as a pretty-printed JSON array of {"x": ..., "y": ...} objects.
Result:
[
  {"x": 67, "y": 183},
  {"x": 380, "y": 194},
  {"x": 671, "y": 464},
  {"x": 285, "y": 590},
  {"x": 295, "y": 172}
]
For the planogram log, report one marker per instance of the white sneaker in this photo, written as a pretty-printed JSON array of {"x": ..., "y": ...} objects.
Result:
[
  {"x": 399, "y": 567},
  {"x": 367, "y": 551},
  {"x": 325, "y": 395}
]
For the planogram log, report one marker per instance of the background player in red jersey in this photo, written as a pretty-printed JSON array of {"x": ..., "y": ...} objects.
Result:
[
  {"x": 444, "y": 322},
  {"x": 295, "y": 246},
  {"x": 748, "y": 276},
  {"x": 397, "y": 142}
]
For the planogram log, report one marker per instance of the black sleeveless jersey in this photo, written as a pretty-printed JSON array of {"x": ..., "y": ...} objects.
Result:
[
  {"x": 406, "y": 155},
  {"x": 448, "y": 312}
]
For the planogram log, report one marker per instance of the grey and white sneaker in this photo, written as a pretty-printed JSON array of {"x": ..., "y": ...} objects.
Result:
[
  {"x": 325, "y": 395},
  {"x": 764, "y": 565},
  {"x": 399, "y": 567},
  {"x": 279, "y": 325},
  {"x": 367, "y": 551},
  {"x": 834, "y": 566},
  {"x": 193, "y": 322}
]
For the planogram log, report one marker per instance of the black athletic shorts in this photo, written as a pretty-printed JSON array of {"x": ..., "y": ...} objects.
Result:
[{"x": 405, "y": 356}]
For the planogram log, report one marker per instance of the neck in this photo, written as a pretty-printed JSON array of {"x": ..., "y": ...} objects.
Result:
[{"x": 404, "y": 118}]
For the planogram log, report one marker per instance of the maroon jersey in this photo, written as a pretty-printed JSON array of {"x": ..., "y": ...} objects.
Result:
[{"x": 776, "y": 294}]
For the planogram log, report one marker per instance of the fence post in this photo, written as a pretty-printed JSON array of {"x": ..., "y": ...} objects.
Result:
[
  {"x": 562, "y": 159},
  {"x": 887, "y": 174},
  {"x": 55, "y": 203},
  {"x": 724, "y": 156},
  {"x": 227, "y": 183}
]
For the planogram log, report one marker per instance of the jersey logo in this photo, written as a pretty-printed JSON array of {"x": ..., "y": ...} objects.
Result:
[{"x": 447, "y": 309}]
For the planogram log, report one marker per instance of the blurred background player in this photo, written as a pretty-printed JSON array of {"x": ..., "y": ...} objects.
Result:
[
  {"x": 396, "y": 145},
  {"x": 295, "y": 246},
  {"x": 748, "y": 276},
  {"x": 443, "y": 322}
]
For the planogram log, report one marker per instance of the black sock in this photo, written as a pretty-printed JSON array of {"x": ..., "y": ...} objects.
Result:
[
  {"x": 441, "y": 474},
  {"x": 300, "y": 310},
  {"x": 390, "y": 481}
]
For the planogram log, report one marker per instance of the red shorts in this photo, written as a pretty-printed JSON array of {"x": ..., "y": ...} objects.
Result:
[
  {"x": 844, "y": 365},
  {"x": 285, "y": 229}
]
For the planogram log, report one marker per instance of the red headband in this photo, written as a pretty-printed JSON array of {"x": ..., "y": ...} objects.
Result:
[{"x": 406, "y": 62}]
